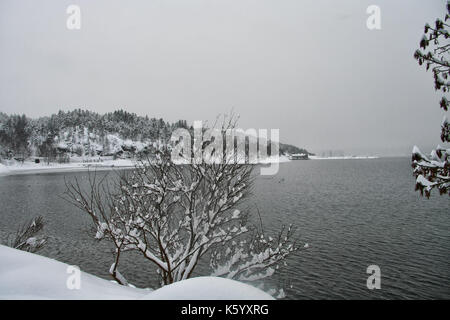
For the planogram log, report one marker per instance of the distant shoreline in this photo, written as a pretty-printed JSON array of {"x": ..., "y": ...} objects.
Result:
[
  {"x": 344, "y": 158},
  {"x": 33, "y": 168},
  {"x": 29, "y": 167}
]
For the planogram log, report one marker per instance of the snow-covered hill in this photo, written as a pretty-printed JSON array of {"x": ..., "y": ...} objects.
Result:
[{"x": 81, "y": 133}]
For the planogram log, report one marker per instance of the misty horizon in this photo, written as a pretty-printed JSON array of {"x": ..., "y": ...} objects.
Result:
[{"x": 312, "y": 70}]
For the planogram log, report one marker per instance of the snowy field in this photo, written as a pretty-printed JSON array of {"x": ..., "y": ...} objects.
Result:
[{"x": 25, "y": 275}]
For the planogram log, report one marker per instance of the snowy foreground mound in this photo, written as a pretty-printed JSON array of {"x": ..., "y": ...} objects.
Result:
[
  {"x": 25, "y": 275},
  {"x": 208, "y": 288}
]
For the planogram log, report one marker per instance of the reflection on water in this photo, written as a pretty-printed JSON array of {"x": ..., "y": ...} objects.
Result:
[{"x": 353, "y": 213}]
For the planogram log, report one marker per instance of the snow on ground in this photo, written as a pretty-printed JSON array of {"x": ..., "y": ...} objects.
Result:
[
  {"x": 279, "y": 159},
  {"x": 15, "y": 167},
  {"x": 208, "y": 288},
  {"x": 4, "y": 170},
  {"x": 26, "y": 275},
  {"x": 29, "y": 167}
]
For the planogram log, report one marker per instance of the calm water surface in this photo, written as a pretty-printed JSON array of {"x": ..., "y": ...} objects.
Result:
[{"x": 352, "y": 213}]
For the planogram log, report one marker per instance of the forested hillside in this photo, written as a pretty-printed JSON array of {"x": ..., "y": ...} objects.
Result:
[
  {"x": 80, "y": 132},
  {"x": 87, "y": 134}
]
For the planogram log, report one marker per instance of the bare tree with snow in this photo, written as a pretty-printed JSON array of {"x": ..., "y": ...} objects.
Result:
[
  {"x": 178, "y": 215},
  {"x": 27, "y": 237},
  {"x": 433, "y": 171}
]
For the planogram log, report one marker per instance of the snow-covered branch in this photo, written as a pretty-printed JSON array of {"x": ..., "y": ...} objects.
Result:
[{"x": 433, "y": 171}]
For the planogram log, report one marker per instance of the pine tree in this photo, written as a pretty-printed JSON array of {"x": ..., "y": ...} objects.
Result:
[{"x": 433, "y": 171}]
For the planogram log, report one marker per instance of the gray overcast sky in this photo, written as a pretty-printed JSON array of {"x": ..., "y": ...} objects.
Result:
[{"x": 310, "y": 68}]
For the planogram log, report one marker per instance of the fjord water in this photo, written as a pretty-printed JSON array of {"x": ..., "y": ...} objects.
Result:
[{"x": 352, "y": 213}]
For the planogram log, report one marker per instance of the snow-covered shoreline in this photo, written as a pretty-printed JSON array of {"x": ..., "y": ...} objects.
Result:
[
  {"x": 29, "y": 276},
  {"x": 344, "y": 158},
  {"x": 32, "y": 168},
  {"x": 28, "y": 167}
]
